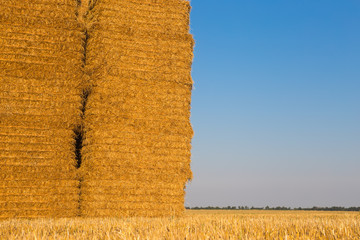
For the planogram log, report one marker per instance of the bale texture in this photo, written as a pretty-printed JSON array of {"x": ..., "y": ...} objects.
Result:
[
  {"x": 136, "y": 151},
  {"x": 117, "y": 73},
  {"x": 41, "y": 54}
]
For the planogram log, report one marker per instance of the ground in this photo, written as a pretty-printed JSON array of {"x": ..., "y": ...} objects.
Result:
[{"x": 195, "y": 224}]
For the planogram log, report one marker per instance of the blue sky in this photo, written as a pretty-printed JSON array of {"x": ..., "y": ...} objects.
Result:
[{"x": 276, "y": 104}]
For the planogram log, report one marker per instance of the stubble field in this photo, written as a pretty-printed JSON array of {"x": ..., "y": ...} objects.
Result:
[{"x": 195, "y": 224}]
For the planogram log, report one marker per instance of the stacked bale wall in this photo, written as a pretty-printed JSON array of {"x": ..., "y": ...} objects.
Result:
[
  {"x": 136, "y": 151},
  {"x": 135, "y": 158},
  {"x": 40, "y": 100}
]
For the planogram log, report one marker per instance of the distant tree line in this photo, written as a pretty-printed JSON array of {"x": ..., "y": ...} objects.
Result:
[{"x": 335, "y": 208}]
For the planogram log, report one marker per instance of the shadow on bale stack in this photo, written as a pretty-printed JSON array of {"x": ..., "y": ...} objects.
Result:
[{"x": 40, "y": 68}]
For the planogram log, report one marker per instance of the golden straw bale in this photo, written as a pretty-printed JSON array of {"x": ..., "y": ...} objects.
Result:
[
  {"x": 108, "y": 78},
  {"x": 40, "y": 99},
  {"x": 136, "y": 150}
]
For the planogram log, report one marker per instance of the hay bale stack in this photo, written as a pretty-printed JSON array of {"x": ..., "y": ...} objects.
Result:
[
  {"x": 40, "y": 100},
  {"x": 136, "y": 153}
]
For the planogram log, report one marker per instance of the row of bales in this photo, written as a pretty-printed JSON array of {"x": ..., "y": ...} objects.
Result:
[{"x": 94, "y": 107}]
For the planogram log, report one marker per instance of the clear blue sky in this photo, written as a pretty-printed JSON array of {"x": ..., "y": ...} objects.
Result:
[{"x": 276, "y": 104}]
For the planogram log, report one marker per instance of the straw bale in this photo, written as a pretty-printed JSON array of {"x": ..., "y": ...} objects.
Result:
[
  {"x": 116, "y": 72},
  {"x": 40, "y": 99},
  {"x": 36, "y": 213},
  {"x": 136, "y": 150},
  {"x": 25, "y": 186},
  {"x": 39, "y": 191}
]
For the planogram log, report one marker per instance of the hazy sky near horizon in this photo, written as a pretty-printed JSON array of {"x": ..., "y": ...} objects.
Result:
[{"x": 276, "y": 104}]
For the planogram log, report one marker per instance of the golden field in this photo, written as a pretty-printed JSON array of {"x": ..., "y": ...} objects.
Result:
[{"x": 195, "y": 224}]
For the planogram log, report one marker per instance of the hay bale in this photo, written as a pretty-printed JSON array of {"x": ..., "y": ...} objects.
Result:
[
  {"x": 136, "y": 151},
  {"x": 40, "y": 100},
  {"x": 125, "y": 66}
]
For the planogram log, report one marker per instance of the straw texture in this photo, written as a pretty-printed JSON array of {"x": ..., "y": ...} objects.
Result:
[
  {"x": 40, "y": 69},
  {"x": 136, "y": 151},
  {"x": 94, "y": 107}
]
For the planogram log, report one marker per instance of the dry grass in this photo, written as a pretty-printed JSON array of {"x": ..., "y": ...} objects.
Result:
[{"x": 196, "y": 224}]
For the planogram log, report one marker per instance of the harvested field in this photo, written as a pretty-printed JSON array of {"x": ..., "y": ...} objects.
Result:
[{"x": 195, "y": 224}]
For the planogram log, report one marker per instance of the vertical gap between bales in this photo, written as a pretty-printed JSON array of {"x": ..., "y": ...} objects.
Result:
[
  {"x": 78, "y": 145},
  {"x": 83, "y": 8},
  {"x": 79, "y": 130}
]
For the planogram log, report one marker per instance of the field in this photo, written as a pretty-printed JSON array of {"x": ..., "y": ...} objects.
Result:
[{"x": 195, "y": 224}]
